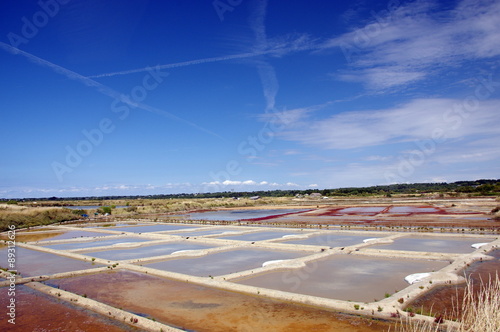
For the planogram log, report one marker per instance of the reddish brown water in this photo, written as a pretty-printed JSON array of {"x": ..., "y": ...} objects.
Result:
[
  {"x": 385, "y": 210},
  {"x": 200, "y": 308},
  {"x": 36, "y": 311},
  {"x": 34, "y": 236},
  {"x": 444, "y": 299}
]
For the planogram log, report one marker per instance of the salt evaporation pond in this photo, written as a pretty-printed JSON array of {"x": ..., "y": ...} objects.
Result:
[
  {"x": 414, "y": 209},
  {"x": 199, "y": 308},
  {"x": 208, "y": 231},
  {"x": 233, "y": 215},
  {"x": 36, "y": 263},
  {"x": 224, "y": 262},
  {"x": 146, "y": 251},
  {"x": 57, "y": 236},
  {"x": 362, "y": 210},
  {"x": 150, "y": 228},
  {"x": 331, "y": 240},
  {"x": 345, "y": 277},
  {"x": 108, "y": 225},
  {"x": 90, "y": 244},
  {"x": 443, "y": 245},
  {"x": 258, "y": 236},
  {"x": 36, "y": 311}
]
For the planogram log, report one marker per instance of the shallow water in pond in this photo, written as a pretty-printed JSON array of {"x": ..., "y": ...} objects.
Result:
[
  {"x": 108, "y": 225},
  {"x": 445, "y": 245},
  {"x": 345, "y": 277},
  {"x": 259, "y": 236},
  {"x": 331, "y": 240},
  {"x": 36, "y": 263},
  {"x": 99, "y": 243},
  {"x": 58, "y": 236},
  {"x": 36, "y": 311},
  {"x": 361, "y": 210},
  {"x": 146, "y": 251},
  {"x": 198, "y": 308},
  {"x": 232, "y": 215},
  {"x": 223, "y": 262},
  {"x": 36, "y": 236},
  {"x": 444, "y": 299},
  {"x": 150, "y": 228},
  {"x": 414, "y": 209},
  {"x": 209, "y": 231}
]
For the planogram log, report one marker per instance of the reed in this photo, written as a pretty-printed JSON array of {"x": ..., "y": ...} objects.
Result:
[{"x": 478, "y": 312}]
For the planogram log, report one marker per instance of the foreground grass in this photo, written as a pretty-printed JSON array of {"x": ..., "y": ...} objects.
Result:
[
  {"x": 23, "y": 217},
  {"x": 479, "y": 312}
]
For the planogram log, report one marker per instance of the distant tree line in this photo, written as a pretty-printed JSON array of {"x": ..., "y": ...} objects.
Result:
[{"x": 478, "y": 187}]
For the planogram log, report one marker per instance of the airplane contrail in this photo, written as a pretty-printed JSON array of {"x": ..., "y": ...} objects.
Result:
[
  {"x": 185, "y": 63},
  {"x": 99, "y": 87}
]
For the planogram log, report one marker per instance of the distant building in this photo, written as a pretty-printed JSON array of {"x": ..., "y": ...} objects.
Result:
[{"x": 315, "y": 195}]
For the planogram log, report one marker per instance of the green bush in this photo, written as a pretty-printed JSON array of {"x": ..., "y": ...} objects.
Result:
[
  {"x": 79, "y": 212},
  {"x": 104, "y": 209}
]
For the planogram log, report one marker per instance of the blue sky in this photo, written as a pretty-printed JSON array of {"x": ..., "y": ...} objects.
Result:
[{"x": 149, "y": 97}]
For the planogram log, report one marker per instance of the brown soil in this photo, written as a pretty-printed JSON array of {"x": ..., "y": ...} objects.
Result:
[
  {"x": 38, "y": 312},
  {"x": 447, "y": 300},
  {"x": 200, "y": 308}
]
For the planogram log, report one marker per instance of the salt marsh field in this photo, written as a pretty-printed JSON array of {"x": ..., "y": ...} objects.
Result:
[{"x": 241, "y": 273}]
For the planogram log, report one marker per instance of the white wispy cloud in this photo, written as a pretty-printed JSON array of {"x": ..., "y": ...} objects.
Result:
[
  {"x": 415, "y": 120},
  {"x": 415, "y": 40},
  {"x": 248, "y": 183}
]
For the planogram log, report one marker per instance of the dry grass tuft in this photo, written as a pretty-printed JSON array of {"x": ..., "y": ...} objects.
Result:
[
  {"x": 480, "y": 312},
  {"x": 22, "y": 217}
]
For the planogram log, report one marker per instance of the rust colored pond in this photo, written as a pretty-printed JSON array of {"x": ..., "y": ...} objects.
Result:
[
  {"x": 28, "y": 236},
  {"x": 443, "y": 299},
  {"x": 345, "y": 277},
  {"x": 224, "y": 262},
  {"x": 198, "y": 308},
  {"x": 31, "y": 237},
  {"x": 444, "y": 245},
  {"x": 36, "y": 311},
  {"x": 37, "y": 263},
  {"x": 376, "y": 210}
]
